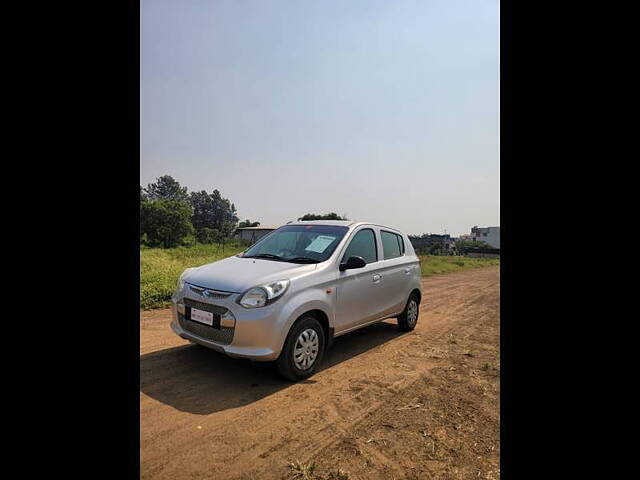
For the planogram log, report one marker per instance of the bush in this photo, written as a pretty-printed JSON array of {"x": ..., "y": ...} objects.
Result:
[
  {"x": 208, "y": 235},
  {"x": 165, "y": 223}
]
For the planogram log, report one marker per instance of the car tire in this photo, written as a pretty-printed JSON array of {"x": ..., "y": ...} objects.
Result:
[
  {"x": 408, "y": 319},
  {"x": 306, "y": 336}
]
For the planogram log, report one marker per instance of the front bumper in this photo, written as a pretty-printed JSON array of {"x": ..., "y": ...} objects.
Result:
[{"x": 257, "y": 334}]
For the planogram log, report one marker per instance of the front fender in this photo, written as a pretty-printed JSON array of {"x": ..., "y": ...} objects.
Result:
[{"x": 305, "y": 301}]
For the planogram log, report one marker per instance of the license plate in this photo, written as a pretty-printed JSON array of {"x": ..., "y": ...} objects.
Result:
[{"x": 201, "y": 316}]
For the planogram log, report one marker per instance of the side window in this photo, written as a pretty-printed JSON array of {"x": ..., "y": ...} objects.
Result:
[
  {"x": 392, "y": 245},
  {"x": 363, "y": 245}
]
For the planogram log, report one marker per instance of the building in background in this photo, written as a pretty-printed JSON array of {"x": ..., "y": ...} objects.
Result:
[
  {"x": 253, "y": 234},
  {"x": 490, "y": 235}
]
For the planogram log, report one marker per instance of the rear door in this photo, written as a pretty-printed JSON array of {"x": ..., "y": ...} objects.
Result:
[
  {"x": 395, "y": 268},
  {"x": 358, "y": 290}
]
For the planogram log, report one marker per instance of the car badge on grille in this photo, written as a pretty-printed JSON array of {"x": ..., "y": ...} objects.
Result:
[
  {"x": 199, "y": 291},
  {"x": 204, "y": 292}
]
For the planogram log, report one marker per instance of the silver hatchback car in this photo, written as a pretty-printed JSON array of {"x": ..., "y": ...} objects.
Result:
[{"x": 289, "y": 295}]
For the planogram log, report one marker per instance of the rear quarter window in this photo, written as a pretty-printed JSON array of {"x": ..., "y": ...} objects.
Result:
[{"x": 392, "y": 245}]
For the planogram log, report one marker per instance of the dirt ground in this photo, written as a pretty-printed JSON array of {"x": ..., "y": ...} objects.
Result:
[{"x": 385, "y": 405}]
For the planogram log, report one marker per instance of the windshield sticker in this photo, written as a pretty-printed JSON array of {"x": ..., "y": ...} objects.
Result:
[{"x": 320, "y": 243}]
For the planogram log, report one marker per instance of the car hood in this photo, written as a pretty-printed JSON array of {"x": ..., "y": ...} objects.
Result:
[{"x": 236, "y": 274}]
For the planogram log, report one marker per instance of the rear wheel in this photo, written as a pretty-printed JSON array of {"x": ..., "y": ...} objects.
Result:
[
  {"x": 408, "y": 319},
  {"x": 303, "y": 350}
]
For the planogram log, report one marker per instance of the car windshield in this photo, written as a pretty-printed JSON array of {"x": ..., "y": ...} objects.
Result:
[{"x": 298, "y": 244}]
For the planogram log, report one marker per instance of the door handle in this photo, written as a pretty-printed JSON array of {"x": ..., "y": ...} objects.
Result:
[
  {"x": 407, "y": 270},
  {"x": 376, "y": 278}
]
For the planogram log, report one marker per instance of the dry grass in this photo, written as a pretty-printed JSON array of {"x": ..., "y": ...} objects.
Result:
[
  {"x": 160, "y": 269},
  {"x": 307, "y": 471},
  {"x": 301, "y": 471},
  {"x": 436, "y": 264}
]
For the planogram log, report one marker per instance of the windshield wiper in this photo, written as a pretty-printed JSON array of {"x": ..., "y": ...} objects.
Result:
[
  {"x": 264, "y": 255},
  {"x": 302, "y": 260}
]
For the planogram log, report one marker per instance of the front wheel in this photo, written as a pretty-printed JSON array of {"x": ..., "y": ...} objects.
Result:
[
  {"x": 303, "y": 350},
  {"x": 408, "y": 319}
]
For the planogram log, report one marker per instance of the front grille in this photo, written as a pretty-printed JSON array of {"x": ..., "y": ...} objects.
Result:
[
  {"x": 207, "y": 307},
  {"x": 223, "y": 335},
  {"x": 207, "y": 292}
]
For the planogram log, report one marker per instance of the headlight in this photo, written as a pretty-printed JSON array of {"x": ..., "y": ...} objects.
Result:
[
  {"x": 254, "y": 298},
  {"x": 264, "y": 294}
]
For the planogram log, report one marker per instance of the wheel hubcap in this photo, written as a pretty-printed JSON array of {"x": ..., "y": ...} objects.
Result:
[
  {"x": 412, "y": 312},
  {"x": 306, "y": 349}
]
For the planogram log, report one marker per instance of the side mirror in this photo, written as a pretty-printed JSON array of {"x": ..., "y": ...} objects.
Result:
[{"x": 353, "y": 262}]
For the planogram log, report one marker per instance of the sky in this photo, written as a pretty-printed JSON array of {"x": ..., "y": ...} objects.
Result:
[{"x": 386, "y": 111}]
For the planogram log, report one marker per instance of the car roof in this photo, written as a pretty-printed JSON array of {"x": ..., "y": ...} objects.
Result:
[
  {"x": 341, "y": 223},
  {"x": 337, "y": 223}
]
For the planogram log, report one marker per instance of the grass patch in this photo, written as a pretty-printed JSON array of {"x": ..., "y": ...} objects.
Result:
[
  {"x": 301, "y": 471},
  {"x": 307, "y": 471},
  {"x": 434, "y": 264},
  {"x": 160, "y": 269},
  {"x": 338, "y": 474}
]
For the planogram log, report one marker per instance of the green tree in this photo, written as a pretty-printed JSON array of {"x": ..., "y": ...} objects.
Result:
[
  {"x": 471, "y": 244},
  {"x": 143, "y": 198},
  {"x": 213, "y": 211},
  {"x": 165, "y": 223},
  {"x": 166, "y": 188},
  {"x": 248, "y": 223},
  {"x": 328, "y": 216},
  {"x": 461, "y": 246},
  {"x": 203, "y": 210}
]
